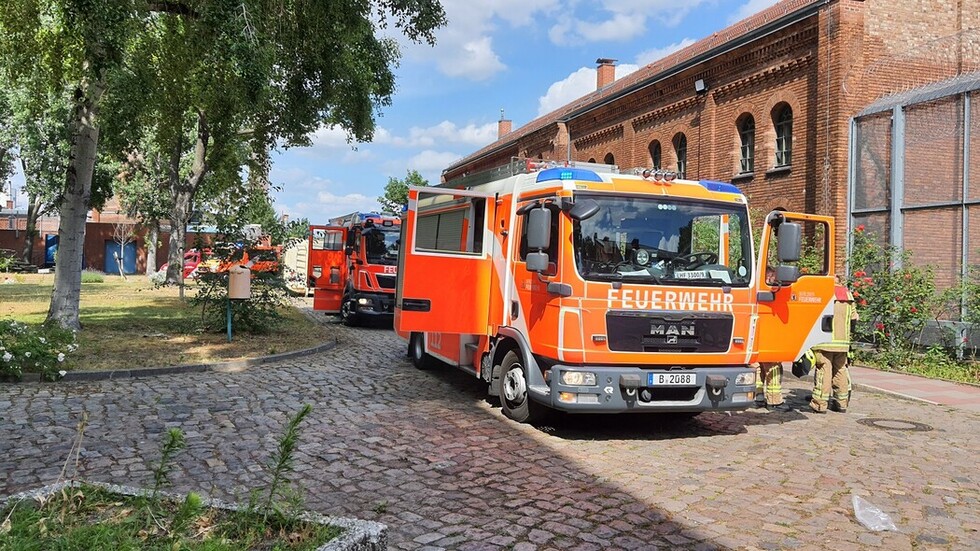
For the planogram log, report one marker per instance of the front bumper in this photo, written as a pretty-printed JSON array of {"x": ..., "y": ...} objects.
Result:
[
  {"x": 629, "y": 389},
  {"x": 374, "y": 305}
]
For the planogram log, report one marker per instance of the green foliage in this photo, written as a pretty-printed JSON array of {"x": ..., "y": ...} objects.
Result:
[
  {"x": 90, "y": 517},
  {"x": 894, "y": 303},
  {"x": 259, "y": 314},
  {"x": 92, "y": 276},
  {"x": 396, "y": 192},
  {"x": 42, "y": 349},
  {"x": 172, "y": 444},
  {"x": 7, "y": 259},
  {"x": 283, "y": 462}
]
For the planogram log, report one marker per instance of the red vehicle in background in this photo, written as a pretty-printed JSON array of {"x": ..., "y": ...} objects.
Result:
[
  {"x": 352, "y": 264},
  {"x": 192, "y": 263}
]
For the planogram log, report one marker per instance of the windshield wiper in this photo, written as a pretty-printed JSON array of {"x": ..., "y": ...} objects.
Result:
[
  {"x": 650, "y": 276},
  {"x": 614, "y": 276}
]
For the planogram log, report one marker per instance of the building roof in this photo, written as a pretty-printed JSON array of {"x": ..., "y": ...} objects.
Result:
[
  {"x": 782, "y": 14},
  {"x": 956, "y": 85}
]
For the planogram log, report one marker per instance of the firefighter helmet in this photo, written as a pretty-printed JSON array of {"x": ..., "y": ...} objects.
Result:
[{"x": 802, "y": 366}]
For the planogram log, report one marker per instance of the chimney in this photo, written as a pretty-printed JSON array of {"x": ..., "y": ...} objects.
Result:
[
  {"x": 605, "y": 72},
  {"x": 503, "y": 126}
]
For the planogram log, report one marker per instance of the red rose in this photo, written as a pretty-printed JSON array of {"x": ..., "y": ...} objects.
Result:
[{"x": 859, "y": 228}]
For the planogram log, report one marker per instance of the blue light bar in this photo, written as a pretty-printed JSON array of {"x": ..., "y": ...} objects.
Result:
[
  {"x": 711, "y": 185},
  {"x": 568, "y": 173}
]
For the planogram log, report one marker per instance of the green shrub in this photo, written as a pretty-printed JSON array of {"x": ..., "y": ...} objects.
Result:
[
  {"x": 259, "y": 314},
  {"x": 894, "y": 303},
  {"x": 92, "y": 276},
  {"x": 41, "y": 349}
]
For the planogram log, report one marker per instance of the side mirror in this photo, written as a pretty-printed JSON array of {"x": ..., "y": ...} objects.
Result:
[
  {"x": 787, "y": 274},
  {"x": 538, "y": 229},
  {"x": 583, "y": 209},
  {"x": 537, "y": 262},
  {"x": 788, "y": 249}
]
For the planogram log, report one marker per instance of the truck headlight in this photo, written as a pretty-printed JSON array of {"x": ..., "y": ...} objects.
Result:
[
  {"x": 578, "y": 378},
  {"x": 364, "y": 301},
  {"x": 745, "y": 379}
]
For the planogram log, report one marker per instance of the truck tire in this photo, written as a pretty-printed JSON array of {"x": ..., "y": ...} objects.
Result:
[
  {"x": 416, "y": 352},
  {"x": 514, "y": 400},
  {"x": 347, "y": 313}
]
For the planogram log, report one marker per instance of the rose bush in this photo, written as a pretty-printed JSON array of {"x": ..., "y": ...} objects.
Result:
[{"x": 34, "y": 349}]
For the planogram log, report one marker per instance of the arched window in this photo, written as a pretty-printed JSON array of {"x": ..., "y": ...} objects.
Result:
[
  {"x": 656, "y": 155},
  {"x": 746, "y": 136},
  {"x": 591, "y": 159},
  {"x": 680, "y": 149},
  {"x": 609, "y": 159},
  {"x": 783, "y": 121}
]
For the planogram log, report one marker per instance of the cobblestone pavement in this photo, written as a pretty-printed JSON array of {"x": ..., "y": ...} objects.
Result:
[{"x": 426, "y": 454}]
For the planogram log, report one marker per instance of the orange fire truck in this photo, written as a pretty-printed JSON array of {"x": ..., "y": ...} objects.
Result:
[
  {"x": 351, "y": 266},
  {"x": 582, "y": 289}
]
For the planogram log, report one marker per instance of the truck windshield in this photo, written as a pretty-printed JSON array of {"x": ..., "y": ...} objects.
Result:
[
  {"x": 381, "y": 246},
  {"x": 665, "y": 240}
]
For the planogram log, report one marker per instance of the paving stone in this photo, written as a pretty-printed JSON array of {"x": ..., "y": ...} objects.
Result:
[{"x": 453, "y": 473}]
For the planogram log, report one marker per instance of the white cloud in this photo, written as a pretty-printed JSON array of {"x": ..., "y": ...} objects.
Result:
[
  {"x": 574, "y": 86},
  {"x": 625, "y": 20},
  {"x": 464, "y": 47},
  {"x": 750, "y": 8},
  {"x": 649, "y": 56},
  {"x": 445, "y": 132},
  {"x": 474, "y": 60},
  {"x": 429, "y": 161},
  {"x": 332, "y": 137}
]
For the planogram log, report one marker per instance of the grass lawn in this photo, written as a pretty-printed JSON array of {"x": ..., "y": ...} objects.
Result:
[{"x": 128, "y": 324}]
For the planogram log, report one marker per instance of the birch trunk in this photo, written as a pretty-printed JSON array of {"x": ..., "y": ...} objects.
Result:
[
  {"x": 64, "y": 308},
  {"x": 152, "y": 235}
]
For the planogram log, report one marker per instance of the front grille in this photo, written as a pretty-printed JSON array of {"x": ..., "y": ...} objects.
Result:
[
  {"x": 386, "y": 281},
  {"x": 652, "y": 331}
]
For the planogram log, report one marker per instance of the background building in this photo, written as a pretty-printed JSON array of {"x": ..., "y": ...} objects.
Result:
[{"x": 771, "y": 104}]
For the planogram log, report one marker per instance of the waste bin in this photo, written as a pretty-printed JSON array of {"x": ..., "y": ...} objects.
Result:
[{"x": 239, "y": 283}]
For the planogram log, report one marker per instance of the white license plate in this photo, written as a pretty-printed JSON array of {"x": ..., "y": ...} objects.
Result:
[{"x": 672, "y": 379}]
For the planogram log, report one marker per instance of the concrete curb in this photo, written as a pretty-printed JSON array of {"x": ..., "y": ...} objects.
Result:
[
  {"x": 358, "y": 535},
  {"x": 878, "y": 390},
  {"x": 223, "y": 367}
]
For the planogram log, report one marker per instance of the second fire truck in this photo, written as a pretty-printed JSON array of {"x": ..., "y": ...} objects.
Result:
[{"x": 351, "y": 266}]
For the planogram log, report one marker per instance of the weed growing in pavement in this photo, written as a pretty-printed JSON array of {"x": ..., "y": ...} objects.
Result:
[{"x": 173, "y": 443}]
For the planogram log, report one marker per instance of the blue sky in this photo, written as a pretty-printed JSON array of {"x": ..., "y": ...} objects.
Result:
[{"x": 527, "y": 57}]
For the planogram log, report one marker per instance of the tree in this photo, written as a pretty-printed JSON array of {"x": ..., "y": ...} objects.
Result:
[
  {"x": 395, "y": 198},
  {"x": 225, "y": 82},
  {"x": 221, "y": 76},
  {"x": 48, "y": 46}
]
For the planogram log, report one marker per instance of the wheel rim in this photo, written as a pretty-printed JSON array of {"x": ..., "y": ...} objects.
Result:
[{"x": 514, "y": 387}]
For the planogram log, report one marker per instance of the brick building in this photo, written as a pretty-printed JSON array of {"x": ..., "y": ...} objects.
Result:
[{"x": 768, "y": 103}]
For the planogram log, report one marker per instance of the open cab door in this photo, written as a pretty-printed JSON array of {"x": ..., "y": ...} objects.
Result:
[
  {"x": 327, "y": 267},
  {"x": 794, "y": 285},
  {"x": 446, "y": 262}
]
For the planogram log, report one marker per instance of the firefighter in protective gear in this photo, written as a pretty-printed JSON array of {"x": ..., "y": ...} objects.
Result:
[
  {"x": 768, "y": 385},
  {"x": 831, "y": 379}
]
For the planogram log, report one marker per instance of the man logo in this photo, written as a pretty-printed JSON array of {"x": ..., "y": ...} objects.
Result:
[{"x": 672, "y": 330}]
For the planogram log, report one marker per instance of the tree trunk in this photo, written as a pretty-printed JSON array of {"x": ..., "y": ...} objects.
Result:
[
  {"x": 183, "y": 192},
  {"x": 30, "y": 234},
  {"x": 74, "y": 206},
  {"x": 152, "y": 235},
  {"x": 178, "y": 228}
]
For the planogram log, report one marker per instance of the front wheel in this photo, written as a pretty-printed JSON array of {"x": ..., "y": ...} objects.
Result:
[
  {"x": 347, "y": 313},
  {"x": 514, "y": 399}
]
